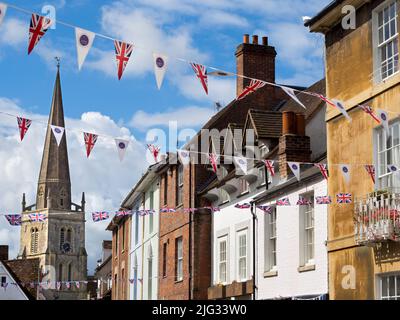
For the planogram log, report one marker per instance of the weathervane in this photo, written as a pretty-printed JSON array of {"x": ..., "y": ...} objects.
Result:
[{"x": 58, "y": 59}]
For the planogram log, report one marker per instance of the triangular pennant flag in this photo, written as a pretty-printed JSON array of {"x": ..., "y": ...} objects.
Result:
[
  {"x": 38, "y": 27},
  {"x": 213, "y": 161},
  {"x": 371, "y": 171},
  {"x": 290, "y": 92},
  {"x": 122, "y": 145},
  {"x": 184, "y": 157},
  {"x": 370, "y": 111},
  {"x": 84, "y": 42},
  {"x": 160, "y": 67},
  {"x": 3, "y": 11},
  {"x": 295, "y": 167},
  {"x": 394, "y": 169},
  {"x": 338, "y": 104},
  {"x": 270, "y": 166},
  {"x": 324, "y": 170},
  {"x": 123, "y": 52},
  {"x": 155, "y": 151},
  {"x": 23, "y": 125},
  {"x": 384, "y": 118},
  {"x": 253, "y": 87},
  {"x": 58, "y": 133},
  {"x": 345, "y": 169},
  {"x": 201, "y": 74},
  {"x": 241, "y": 165},
  {"x": 90, "y": 141}
]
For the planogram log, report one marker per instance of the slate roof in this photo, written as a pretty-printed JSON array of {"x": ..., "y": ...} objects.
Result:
[{"x": 266, "y": 124}]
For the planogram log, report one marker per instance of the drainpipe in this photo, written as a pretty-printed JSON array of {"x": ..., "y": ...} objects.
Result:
[
  {"x": 190, "y": 233},
  {"x": 253, "y": 213},
  {"x": 142, "y": 244}
]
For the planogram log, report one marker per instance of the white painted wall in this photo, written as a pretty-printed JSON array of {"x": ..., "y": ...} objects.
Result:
[
  {"x": 141, "y": 249},
  {"x": 289, "y": 281},
  {"x": 12, "y": 292}
]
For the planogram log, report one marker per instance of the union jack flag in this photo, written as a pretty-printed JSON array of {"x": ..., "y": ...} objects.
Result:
[
  {"x": 77, "y": 284},
  {"x": 23, "y": 125},
  {"x": 371, "y": 171},
  {"x": 201, "y": 74},
  {"x": 324, "y": 200},
  {"x": 131, "y": 281},
  {"x": 243, "y": 206},
  {"x": 213, "y": 209},
  {"x": 213, "y": 161},
  {"x": 324, "y": 170},
  {"x": 123, "y": 52},
  {"x": 266, "y": 209},
  {"x": 167, "y": 210},
  {"x": 189, "y": 210},
  {"x": 370, "y": 111},
  {"x": 100, "y": 216},
  {"x": 37, "y": 217},
  {"x": 90, "y": 141},
  {"x": 58, "y": 285},
  {"x": 253, "y": 87},
  {"x": 325, "y": 99},
  {"x": 283, "y": 202},
  {"x": 154, "y": 151},
  {"x": 14, "y": 219},
  {"x": 38, "y": 27},
  {"x": 344, "y": 198},
  {"x": 270, "y": 166},
  {"x": 123, "y": 213},
  {"x": 303, "y": 202},
  {"x": 68, "y": 284}
]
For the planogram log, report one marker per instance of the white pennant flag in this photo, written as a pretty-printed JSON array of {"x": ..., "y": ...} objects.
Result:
[
  {"x": 342, "y": 109},
  {"x": 160, "y": 67},
  {"x": 84, "y": 42},
  {"x": 394, "y": 169},
  {"x": 384, "y": 117},
  {"x": 241, "y": 165},
  {"x": 291, "y": 93},
  {"x": 295, "y": 167},
  {"x": 184, "y": 157},
  {"x": 345, "y": 169},
  {"x": 3, "y": 10},
  {"x": 58, "y": 133},
  {"x": 122, "y": 145}
]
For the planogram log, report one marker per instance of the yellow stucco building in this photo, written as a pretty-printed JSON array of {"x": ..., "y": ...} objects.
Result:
[{"x": 362, "y": 41}]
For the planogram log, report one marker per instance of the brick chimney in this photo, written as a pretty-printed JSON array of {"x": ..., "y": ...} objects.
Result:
[
  {"x": 294, "y": 145},
  {"x": 3, "y": 253},
  {"x": 256, "y": 60}
]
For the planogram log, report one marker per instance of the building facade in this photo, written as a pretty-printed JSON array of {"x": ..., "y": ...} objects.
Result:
[
  {"x": 362, "y": 69},
  {"x": 103, "y": 273},
  {"x": 59, "y": 242}
]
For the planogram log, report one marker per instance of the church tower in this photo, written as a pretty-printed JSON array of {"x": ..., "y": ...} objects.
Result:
[{"x": 59, "y": 242}]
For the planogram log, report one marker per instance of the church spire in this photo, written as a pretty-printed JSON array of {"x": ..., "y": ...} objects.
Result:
[{"x": 54, "y": 186}]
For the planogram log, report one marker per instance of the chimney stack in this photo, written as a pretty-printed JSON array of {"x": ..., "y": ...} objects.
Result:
[
  {"x": 294, "y": 145},
  {"x": 256, "y": 60},
  {"x": 3, "y": 253}
]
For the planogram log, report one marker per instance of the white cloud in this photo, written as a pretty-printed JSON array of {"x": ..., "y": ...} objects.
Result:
[
  {"x": 13, "y": 32},
  {"x": 188, "y": 117},
  {"x": 102, "y": 176}
]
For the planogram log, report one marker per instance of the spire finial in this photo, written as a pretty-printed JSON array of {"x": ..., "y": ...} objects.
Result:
[{"x": 58, "y": 59}]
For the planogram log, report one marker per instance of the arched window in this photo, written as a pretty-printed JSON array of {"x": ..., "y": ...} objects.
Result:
[
  {"x": 60, "y": 272},
  {"x": 69, "y": 236},
  {"x": 34, "y": 240},
  {"x": 70, "y": 272},
  {"x": 62, "y": 237}
]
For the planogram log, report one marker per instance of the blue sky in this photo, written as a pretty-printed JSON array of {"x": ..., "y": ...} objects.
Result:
[{"x": 206, "y": 32}]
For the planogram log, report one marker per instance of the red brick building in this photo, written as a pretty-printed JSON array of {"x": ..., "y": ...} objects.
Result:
[
  {"x": 185, "y": 238},
  {"x": 120, "y": 228}
]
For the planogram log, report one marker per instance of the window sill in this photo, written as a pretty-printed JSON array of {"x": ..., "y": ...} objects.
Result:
[
  {"x": 243, "y": 194},
  {"x": 178, "y": 281},
  {"x": 270, "y": 274},
  {"x": 306, "y": 268}
]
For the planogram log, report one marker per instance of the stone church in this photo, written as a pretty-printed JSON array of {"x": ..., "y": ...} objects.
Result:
[{"x": 59, "y": 242}]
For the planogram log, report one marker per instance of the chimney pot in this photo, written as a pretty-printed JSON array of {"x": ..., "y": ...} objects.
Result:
[
  {"x": 265, "y": 41},
  {"x": 255, "y": 39},
  {"x": 301, "y": 124},
  {"x": 246, "y": 38},
  {"x": 288, "y": 123}
]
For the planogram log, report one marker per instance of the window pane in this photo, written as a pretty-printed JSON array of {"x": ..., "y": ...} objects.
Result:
[
  {"x": 384, "y": 287},
  {"x": 392, "y": 286},
  {"x": 380, "y": 18}
]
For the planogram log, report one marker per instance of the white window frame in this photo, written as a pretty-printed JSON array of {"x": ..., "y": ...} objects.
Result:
[
  {"x": 262, "y": 175},
  {"x": 151, "y": 207},
  {"x": 242, "y": 257},
  {"x": 221, "y": 262},
  {"x": 179, "y": 259},
  {"x": 387, "y": 295},
  {"x": 384, "y": 178},
  {"x": 270, "y": 241},
  {"x": 224, "y": 195},
  {"x": 307, "y": 256},
  {"x": 244, "y": 186},
  {"x": 378, "y": 45}
]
